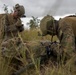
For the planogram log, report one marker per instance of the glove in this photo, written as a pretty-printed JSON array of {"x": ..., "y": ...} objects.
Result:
[{"x": 20, "y": 28}]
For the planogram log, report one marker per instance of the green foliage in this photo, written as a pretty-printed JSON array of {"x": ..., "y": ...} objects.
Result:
[
  {"x": 6, "y": 10},
  {"x": 5, "y": 7},
  {"x": 33, "y": 23},
  {"x": 29, "y": 35}
]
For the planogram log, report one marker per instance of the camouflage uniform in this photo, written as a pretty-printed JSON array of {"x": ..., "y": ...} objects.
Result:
[
  {"x": 64, "y": 31},
  {"x": 66, "y": 37},
  {"x": 12, "y": 26},
  {"x": 11, "y": 44},
  {"x": 11, "y": 41}
]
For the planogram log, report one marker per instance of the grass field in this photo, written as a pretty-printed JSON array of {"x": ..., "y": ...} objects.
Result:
[{"x": 31, "y": 37}]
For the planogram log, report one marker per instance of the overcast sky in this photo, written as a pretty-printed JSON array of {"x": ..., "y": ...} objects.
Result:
[{"x": 40, "y": 8}]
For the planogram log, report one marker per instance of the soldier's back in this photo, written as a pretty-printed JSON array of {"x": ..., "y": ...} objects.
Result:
[{"x": 69, "y": 21}]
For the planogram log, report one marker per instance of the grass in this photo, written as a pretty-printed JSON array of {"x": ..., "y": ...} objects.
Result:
[
  {"x": 32, "y": 39},
  {"x": 5, "y": 69}
]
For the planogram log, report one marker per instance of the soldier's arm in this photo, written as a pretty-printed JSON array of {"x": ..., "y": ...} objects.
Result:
[{"x": 18, "y": 26}]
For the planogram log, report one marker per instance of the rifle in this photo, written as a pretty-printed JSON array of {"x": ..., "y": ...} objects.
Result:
[{"x": 43, "y": 58}]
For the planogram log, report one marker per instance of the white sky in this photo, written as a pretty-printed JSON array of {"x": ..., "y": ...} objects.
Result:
[{"x": 39, "y": 8}]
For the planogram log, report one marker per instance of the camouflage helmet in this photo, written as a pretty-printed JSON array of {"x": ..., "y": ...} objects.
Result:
[
  {"x": 45, "y": 24},
  {"x": 20, "y": 9}
]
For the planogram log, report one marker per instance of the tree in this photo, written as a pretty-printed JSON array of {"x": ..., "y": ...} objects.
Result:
[
  {"x": 5, "y": 7},
  {"x": 34, "y": 22}
]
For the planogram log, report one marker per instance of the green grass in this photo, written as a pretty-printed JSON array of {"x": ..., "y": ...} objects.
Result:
[
  {"x": 5, "y": 69},
  {"x": 32, "y": 39}
]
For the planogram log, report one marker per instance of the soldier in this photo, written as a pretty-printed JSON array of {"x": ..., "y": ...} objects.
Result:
[
  {"x": 11, "y": 44},
  {"x": 65, "y": 31},
  {"x": 12, "y": 25}
]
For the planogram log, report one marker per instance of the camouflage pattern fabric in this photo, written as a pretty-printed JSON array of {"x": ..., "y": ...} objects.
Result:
[
  {"x": 71, "y": 20},
  {"x": 67, "y": 39},
  {"x": 11, "y": 41},
  {"x": 9, "y": 26},
  {"x": 11, "y": 47},
  {"x": 2, "y": 25},
  {"x": 12, "y": 27}
]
